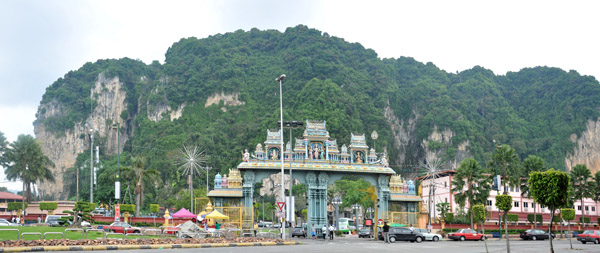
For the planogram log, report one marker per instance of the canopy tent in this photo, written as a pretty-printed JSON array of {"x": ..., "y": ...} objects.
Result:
[
  {"x": 201, "y": 215},
  {"x": 183, "y": 213},
  {"x": 216, "y": 215}
]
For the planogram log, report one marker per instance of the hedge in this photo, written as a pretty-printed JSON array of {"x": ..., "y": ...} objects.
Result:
[
  {"x": 16, "y": 206},
  {"x": 154, "y": 208},
  {"x": 587, "y": 219},
  {"x": 50, "y": 206},
  {"x": 513, "y": 217},
  {"x": 127, "y": 208},
  {"x": 538, "y": 217}
]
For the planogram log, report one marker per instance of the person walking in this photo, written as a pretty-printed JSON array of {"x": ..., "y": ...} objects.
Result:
[
  {"x": 324, "y": 231},
  {"x": 386, "y": 231},
  {"x": 313, "y": 232},
  {"x": 411, "y": 228},
  {"x": 331, "y": 232}
]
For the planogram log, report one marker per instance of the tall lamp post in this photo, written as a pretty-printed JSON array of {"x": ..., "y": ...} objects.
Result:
[
  {"x": 337, "y": 201},
  {"x": 356, "y": 207},
  {"x": 207, "y": 168},
  {"x": 117, "y": 125},
  {"x": 280, "y": 80},
  {"x": 290, "y": 125}
]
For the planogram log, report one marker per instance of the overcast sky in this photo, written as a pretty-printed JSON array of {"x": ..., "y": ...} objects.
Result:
[{"x": 41, "y": 41}]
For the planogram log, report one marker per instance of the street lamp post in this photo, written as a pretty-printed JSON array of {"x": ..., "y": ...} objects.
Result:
[
  {"x": 356, "y": 207},
  {"x": 118, "y": 182},
  {"x": 498, "y": 188},
  {"x": 91, "y": 165},
  {"x": 290, "y": 125},
  {"x": 337, "y": 201},
  {"x": 280, "y": 80},
  {"x": 207, "y": 168}
]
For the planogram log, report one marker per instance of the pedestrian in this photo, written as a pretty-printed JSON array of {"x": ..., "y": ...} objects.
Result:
[
  {"x": 13, "y": 219},
  {"x": 331, "y": 232},
  {"x": 386, "y": 231},
  {"x": 40, "y": 219},
  {"x": 314, "y": 232},
  {"x": 255, "y": 229},
  {"x": 411, "y": 228},
  {"x": 18, "y": 220},
  {"x": 324, "y": 231}
]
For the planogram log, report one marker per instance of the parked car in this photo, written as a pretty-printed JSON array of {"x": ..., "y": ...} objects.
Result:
[
  {"x": 5, "y": 222},
  {"x": 405, "y": 234},
  {"x": 535, "y": 234},
  {"x": 429, "y": 236},
  {"x": 298, "y": 231},
  {"x": 58, "y": 220},
  {"x": 365, "y": 232},
  {"x": 589, "y": 236},
  {"x": 467, "y": 234},
  {"x": 120, "y": 227}
]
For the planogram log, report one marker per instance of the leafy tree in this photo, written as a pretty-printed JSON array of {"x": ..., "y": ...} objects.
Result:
[
  {"x": 16, "y": 206},
  {"x": 513, "y": 217},
  {"x": 534, "y": 218},
  {"x": 129, "y": 208},
  {"x": 443, "y": 208},
  {"x": 81, "y": 212},
  {"x": 3, "y": 147},
  {"x": 449, "y": 218},
  {"x": 504, "y": 203},
  {"x": 140, "y": 174},
  {"x": 154, "y": 208},
  {"x": 50, "y": 206},
  {"x": 3, "y": 189},
  {"x": 568, "y": 214},
  {"x": 548, "y": 189},
  {"x": 25, "y": 161},
  {"x": 596, "y": 187},
  {"x": 479, "y": 215},
  {"x": 581, "y": 185},
  {"x": 530, "y": 164},
  {"x": 471, "y": 184}
]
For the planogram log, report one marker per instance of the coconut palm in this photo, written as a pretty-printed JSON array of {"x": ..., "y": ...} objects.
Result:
[
  {"x": 138, "y": 171},
  {"x": 580, "y": 182},
  {"x": 25, "y": 161},
  {"x": 506, "y": 163},
  {"x": 530, "y": 164},
  {"x": 471, "y": 183}
]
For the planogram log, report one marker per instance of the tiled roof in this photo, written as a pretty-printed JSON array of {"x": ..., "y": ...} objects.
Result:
[{"x": 8, "y": 195}]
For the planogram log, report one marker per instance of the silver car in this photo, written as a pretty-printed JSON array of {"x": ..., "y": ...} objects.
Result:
[
  {"x": 428, "y": 235},
  {"x": 6, "y": 223}
]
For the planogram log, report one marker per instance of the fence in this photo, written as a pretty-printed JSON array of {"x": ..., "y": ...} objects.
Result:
[{"x": 403, "y": 217}]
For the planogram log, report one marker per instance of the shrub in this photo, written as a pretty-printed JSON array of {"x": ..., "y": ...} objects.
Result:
[
  {"x": 127, "y": 208},
  {"x": 49, "y": 206},
  {"x": 154, "y": 208},
  {"x": 16, "y": 206},
  {"x": 538, "y": 218},
  {"x": 586, "y": 220}
]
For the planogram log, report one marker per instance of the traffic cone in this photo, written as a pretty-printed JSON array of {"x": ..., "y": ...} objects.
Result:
[{"x": 353, "y": 232}]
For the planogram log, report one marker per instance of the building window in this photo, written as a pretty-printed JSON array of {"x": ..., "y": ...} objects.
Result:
[
  {"x": 578, "y": 208},
  {"x": 541, "y": 206},
  {"x": 489, "y": 202},
  {"x": 525, "y": 204},
  {"x": 510, "y": 189},
  {"x": 446, "y": 200},
  {"x": 593, "y": 209},
  {"x": 516, "y": 204},
  {"x": 517, "y": 189},
  {"x": 586, "y": 208},
  {"x": 445, "y": 184}
]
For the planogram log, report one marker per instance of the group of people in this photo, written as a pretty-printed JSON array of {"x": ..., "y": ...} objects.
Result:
[{"x": 324, "y": 230}]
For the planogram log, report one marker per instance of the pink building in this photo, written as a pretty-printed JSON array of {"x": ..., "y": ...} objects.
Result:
[{"x": 442, "y": 183}]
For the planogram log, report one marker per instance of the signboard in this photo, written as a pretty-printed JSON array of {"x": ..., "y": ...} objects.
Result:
[
  {"x": 380, "y": 222},
  {"x": 117, "y": 212},
  {"x": 290, "y": 206},
  {"x": 117, "y": 190},
  {"x": 280, "y": 214},
  {"x": 368, "y": 222},
  {"x": 280, "y": 205}
]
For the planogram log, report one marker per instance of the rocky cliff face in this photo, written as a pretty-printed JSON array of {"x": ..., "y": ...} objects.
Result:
[
  {"x": 587, "y": 148},
  {"x": 63, "y": 148},
  {"x": 272, "y": 184}
]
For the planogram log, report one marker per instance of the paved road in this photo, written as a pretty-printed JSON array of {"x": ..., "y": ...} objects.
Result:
[{"x": 352, "y": 244}]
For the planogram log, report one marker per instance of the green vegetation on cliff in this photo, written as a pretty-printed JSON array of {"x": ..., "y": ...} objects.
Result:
[{"x": 534, "y": 110}]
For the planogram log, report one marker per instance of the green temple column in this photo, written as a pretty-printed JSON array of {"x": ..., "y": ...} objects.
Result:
[
  {"x": 316, "y": 187},
  {"x": 248, "y": 191},
  {"x": 383, "y": 195}
]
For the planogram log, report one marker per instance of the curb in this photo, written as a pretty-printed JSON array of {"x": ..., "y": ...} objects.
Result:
[{"x": 155, "y": 246}]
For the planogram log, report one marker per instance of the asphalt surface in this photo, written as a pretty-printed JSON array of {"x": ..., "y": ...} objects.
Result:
[{"x": 353, "y": 244}]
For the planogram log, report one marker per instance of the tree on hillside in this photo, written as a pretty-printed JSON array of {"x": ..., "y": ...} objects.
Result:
[
  {"x": 548, "y": 189},
  {"x": 25, "y": 161},
  {"x": 581, "y": 185},
  {"x": 530, "y": 164},
  {"x": 471, "y": 184},
  {"x": 140, "y": 174}
]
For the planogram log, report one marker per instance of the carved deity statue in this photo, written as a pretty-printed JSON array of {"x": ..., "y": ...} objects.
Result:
[{"x": 245, "y": 155}]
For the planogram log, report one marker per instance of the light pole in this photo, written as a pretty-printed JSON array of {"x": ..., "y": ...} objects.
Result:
[
  {"x": 337, "y": 201},
  {"x": 356, "y": 207},
  {"x": 498, "y": 187},
  {"x": 207, "y": 168},
  {"x": 280, "y": 80},
  {"x": 91, "y": 165},
  {"x": 290, "y": 125},
  {"x": 117, "y": 182}
]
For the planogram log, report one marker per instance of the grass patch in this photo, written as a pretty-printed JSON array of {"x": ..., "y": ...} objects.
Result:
[{"x": 73, "y": 235}]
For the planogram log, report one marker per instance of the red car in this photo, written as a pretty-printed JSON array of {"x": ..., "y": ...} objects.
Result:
[
  {"x": 589, "y": 236},
  {"x": 467, "y": 234},
  {"x": 119, "y": 227}
]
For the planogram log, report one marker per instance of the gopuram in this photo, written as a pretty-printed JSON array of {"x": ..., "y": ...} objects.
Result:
[{"x": 317, "y": 161}]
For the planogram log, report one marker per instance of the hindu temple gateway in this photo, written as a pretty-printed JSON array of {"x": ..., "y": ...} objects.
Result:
[{"x": 317, "y": 161}]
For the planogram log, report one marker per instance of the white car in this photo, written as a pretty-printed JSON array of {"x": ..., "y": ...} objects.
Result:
[
  {"x": 85, "y": 224},
  {"x": 428, "y": 235},
  {"x": 5, "y": 222}
]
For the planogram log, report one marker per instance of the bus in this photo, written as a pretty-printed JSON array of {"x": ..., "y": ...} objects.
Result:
[{"x": 344, "y": 225}]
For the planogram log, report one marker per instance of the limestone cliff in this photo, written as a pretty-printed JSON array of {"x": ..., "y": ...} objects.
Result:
[
  {"x": 587, "y": 148},
  {"x": 272, "y": 184},
  {"x": 63, "y": 148}
]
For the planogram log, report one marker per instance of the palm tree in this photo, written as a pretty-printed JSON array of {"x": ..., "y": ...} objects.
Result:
[
  {"x": 139, "y": 172},
  {"x": 25, "y": 161},
  {"x": 530, "y": 164},
  {"x": 506, "y": 162},
  {"x": 3, "y": 147},
  {"x": 471, "y": 183},
  {"x": 580, "y": 176},
  {"x": 596, "y": 191}
]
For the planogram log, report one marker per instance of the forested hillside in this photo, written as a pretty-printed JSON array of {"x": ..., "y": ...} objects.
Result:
[{"x": 534, "y": 110}]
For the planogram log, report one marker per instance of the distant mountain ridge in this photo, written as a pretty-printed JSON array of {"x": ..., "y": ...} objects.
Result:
[{"x": 219, "y": 93}]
